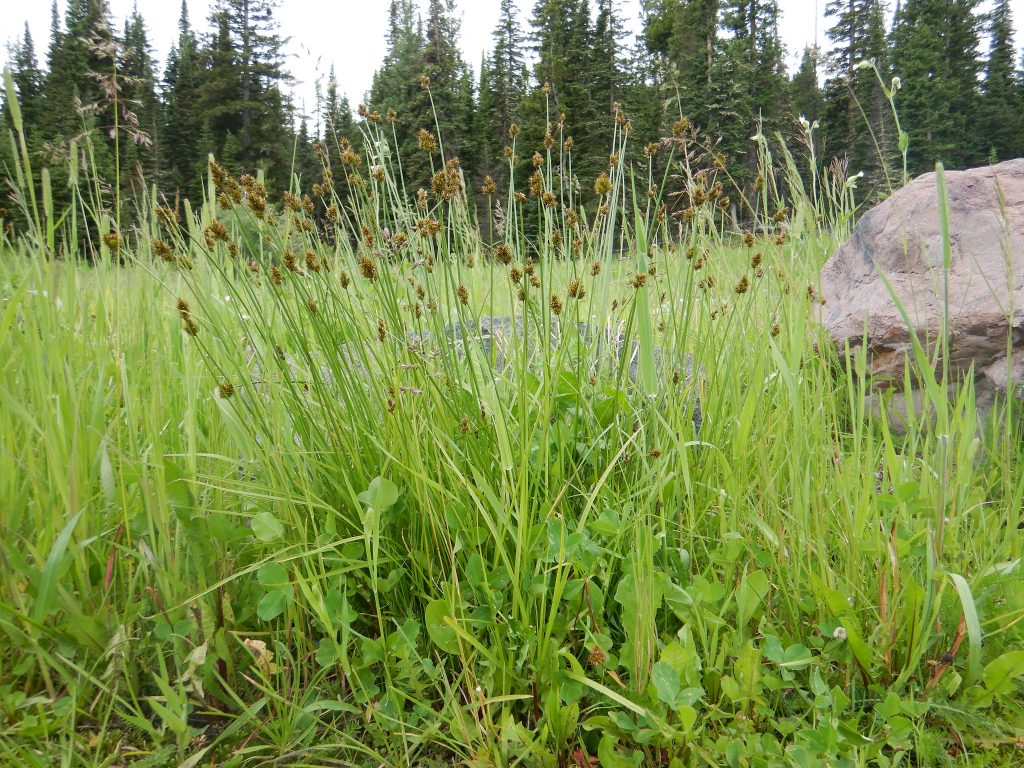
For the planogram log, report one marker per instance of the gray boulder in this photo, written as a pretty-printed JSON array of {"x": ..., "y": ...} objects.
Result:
[{"x": 901, "y": 240}]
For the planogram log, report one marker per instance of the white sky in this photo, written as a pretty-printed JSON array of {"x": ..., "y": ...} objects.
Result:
[{"x": 350, "y": 33}]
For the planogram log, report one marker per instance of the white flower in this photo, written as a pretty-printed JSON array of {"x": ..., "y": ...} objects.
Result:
[
  {"x": 896, "y": 83},
  {"x": 839, "y": 633},
  {"x": 865, "y": 64}
]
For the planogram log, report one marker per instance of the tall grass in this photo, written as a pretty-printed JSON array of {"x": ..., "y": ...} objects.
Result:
[{"x": 272, "y": 497}]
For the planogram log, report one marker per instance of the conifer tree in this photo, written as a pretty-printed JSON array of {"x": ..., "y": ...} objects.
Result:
[
  {"x": 244, "y": 85},
  {"x": 141, "y": 109},
  {"x": 806, "y": 95},
  {"x": 503, "y": 85},
  {"x": 183, "y": 125},
  {"x": 858, "y": 122},
  {"x": 685, "y": 34},
  {"x": 28, "y": 80},
  {"x": 396, "y": 85},
  {"x": 561, "y": 32},
  {"x": 935, "y": 54},
  {"x": 1001, "y": 106},
  {"x": 751, "y": 89}
]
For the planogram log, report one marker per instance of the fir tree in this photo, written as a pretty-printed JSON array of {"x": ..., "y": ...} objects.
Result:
[
  {"x": 685, "y": 34},
  {"x": 858, "y": 122},
  {"x": 1001, "y": 104},
  {"x": 750, "y": 86},
  {"x": 396, "y": 86},
  {"x": 503, "y": 85},
  {"x": 806, "y": 95},
  {"x": 935, "y": 54},
  {"x": 28, "y": 80},
  {"x": 243, "y": 92},
  {"x": 141, "y": 109},
  {"x": 183, "y": 125}
]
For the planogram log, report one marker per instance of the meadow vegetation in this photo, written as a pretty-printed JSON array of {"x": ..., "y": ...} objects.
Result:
[{"x": 258, "y": 506}]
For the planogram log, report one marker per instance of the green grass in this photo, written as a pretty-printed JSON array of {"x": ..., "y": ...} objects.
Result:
[{"x": 294, "y": 538}]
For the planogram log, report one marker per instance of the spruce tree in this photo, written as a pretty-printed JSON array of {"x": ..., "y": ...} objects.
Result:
[
  {"x": 446, "y": 108},
  {"x": 858, "y": 122},
  {"x": 935, "y": 53},
  {"x": 243, "y": 92},
  {"x": 141, "y": 109},
  {"x": 561, "y": 34},
  {"x": 1001, "y": 104},
  {"x": 685, "y": 34},
  {"x": 751, "y": 90},
  {"x": 28, "y": 80},
  {"x": 180, "y": 138},
  {"x": 806, "y": 95},
  {"x": 396, "y": 86}
]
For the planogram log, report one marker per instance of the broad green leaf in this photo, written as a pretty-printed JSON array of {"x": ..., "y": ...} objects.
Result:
[
  {"x": 666, "y": 683},
  {"x": 272, "y": 605},
  {"x": 381, "y": 495},
  {"x": 443, "y": 636},
  {"x": 266, "y": 527},
  {"x": 272, "y": 575}
]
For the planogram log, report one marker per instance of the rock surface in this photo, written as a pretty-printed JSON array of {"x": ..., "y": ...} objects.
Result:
[{"x": 902, "y": 239}]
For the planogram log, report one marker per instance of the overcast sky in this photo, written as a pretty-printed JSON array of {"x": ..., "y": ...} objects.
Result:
[{"x": 350, "y": 33}]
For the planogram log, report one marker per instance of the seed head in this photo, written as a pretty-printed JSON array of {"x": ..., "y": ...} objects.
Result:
[
  {"x": 680, "y": 127},
  {"x": 549, "y": 199},
  {"x": 520, "y": 197},
  {"x": 226, "y": 389},
  {"x": 603, "y": 185},
  {"x": 556, "y": 304},
  {"x": 537, "y": 160},
  {"x": 569, "y": 143},
  {"x": 424, "y": 82},
  {"x": 426, "y": 140},
  {"x": 312, "y": 307},
  {"x": 549, "y": 141},
  {"x": 163, "y": 250},
  {"x": 344, "y": 279},
  {"x": 382, "y": 329},
  {"x": 513, "y": 130},
  {"x": 748, "y": 240},
  {"x": 488, "y": 187},
  {"x": 755, "y": 261},
  {"x": 595, "y": 269},
  {"x": 463, "y": 293},
  {"x": 638, "y": 280},
  {"x": 503, "y": 254},
  {"x": 368, "y": 268},
  {"x": 743, "y": 285}
]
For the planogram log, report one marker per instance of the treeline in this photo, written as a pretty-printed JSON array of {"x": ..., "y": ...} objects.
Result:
[{"x": 559, "y": 77}]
